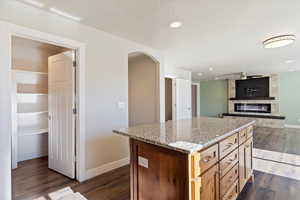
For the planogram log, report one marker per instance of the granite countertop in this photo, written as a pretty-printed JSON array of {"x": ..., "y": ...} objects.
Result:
[{"x": 186, "y": 136}]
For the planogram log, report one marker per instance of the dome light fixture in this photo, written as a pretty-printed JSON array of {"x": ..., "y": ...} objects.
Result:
[
  {"x": 175, "y": 24},
  {"x": 279, "y": 41}
]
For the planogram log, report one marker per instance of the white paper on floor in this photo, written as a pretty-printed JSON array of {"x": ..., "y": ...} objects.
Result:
[
  {"x": 60, "y": 193},
  {"x": 66, "y": 194},
  {"x": 41, "y": 198},
  {"x": 74, "y": 196},
  {"x": 287, "y": 158},
  {"x": 277, "y": 163}
]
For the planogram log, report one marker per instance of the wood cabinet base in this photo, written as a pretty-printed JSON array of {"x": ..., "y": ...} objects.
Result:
[{"x": 158, "y": 173}]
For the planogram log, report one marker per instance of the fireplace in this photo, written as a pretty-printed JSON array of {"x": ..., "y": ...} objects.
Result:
[{"x": 252, "y": 108}]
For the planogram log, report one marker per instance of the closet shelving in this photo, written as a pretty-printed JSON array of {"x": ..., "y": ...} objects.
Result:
[{"x": 31, "y": 101}]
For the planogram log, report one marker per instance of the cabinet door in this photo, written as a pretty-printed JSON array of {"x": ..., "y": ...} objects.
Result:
[
  {"x": 245, "y": 162},
  {"x": 209, "y": 189},
  {"x": 249, "y": 157}
]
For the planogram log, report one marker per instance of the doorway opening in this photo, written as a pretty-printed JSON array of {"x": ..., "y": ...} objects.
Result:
[
  {"x": 195, "y": 99},
  {"x": 143, "y": 89},
  {"x": 168, "y": 99},
  {"x": 43, "y": 111}
]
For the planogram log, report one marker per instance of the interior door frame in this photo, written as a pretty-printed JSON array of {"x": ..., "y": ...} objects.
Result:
[
  {"x": 27, "y": 33},
  {"x": 197, "y": 97},
  {"x": 173, "y": 96}
]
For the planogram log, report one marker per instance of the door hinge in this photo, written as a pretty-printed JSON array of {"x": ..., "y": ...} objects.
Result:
[
  {"x": 75, "y": 159},
  {"x": 74, "y": 111},
  {"x": 74, "y": 63}
]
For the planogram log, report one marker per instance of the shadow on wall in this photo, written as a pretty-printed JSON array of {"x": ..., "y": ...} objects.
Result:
[
  {"x": 100, "y": 145},
  {"x": 143, "y": 89}
]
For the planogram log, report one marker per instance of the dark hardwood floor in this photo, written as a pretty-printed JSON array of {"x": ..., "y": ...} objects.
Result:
[{"x": 33, "y": 178}]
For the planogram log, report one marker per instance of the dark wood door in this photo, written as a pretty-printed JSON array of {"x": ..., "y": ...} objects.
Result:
[{"x": 194, "y": 100}]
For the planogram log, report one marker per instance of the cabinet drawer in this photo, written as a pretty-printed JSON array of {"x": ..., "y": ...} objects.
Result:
[
  {"x": 228, "y": 145},
  {"x": 228, "y": 180},
  {"x": 233, "y": 192},
  {"x": 243, "y": 136},
  {"x": 249, "y": 131},
  {"x": 203, "y": 160},
  {"x": 228, "y": 162}
]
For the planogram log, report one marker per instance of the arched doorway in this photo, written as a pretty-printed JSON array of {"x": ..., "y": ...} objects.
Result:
[{"x": 143, "y": 89}]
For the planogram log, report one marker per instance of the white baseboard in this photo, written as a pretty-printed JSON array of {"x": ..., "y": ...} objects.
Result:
[
  {"x": 91, "y": 173},
  {"x": 29, "y": 156},
  {"x": 291, "y": 126}
]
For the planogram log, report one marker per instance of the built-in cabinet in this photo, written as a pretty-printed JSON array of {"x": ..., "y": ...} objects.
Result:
[
  {"x": 223, "y": 176},
  {"x": 219, "y": 172}
]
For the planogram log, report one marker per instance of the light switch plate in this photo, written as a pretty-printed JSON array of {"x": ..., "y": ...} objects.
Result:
[
  {"x": 143, "y": 162},
  {"x": 121, "y": 105}
]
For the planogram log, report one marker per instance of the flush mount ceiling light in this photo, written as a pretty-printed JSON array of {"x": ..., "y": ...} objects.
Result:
[
  {"x": 175, "y": 24},
  {"x": 211, "y": 69},
  {"x": 200, "y": 74},
  {"x": 291, "y": 70},
  {"x": 64, "y": 14},
  {"x": 34, "y": 3},
  {"x": 279, "y": 41}
]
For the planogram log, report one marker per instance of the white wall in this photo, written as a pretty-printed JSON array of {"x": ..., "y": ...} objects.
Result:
[
  {"x": 106, "y": 82},
  {"x": 173, "y": 72},
  {"x": 5, "y": 126}
]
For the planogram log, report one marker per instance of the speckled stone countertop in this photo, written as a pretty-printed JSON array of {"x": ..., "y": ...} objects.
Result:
[{"x": 186, "y": 136}]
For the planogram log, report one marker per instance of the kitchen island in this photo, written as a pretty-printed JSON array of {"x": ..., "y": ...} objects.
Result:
[{"x": 195, "y": 159}]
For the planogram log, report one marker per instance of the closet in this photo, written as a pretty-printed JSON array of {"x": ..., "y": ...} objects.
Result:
[{"x": 30, "y": 98}]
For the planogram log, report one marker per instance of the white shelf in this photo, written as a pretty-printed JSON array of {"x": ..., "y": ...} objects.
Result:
[
  {"x": 29, "y": 72},
  {"x": 32, "y": 113},
  {"x": 33, "y": 132}
]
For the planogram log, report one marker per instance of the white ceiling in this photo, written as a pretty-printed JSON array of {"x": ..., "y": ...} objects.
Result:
[{"x": 225, "y": 35}]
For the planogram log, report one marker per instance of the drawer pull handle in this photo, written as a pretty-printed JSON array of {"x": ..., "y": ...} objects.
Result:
[
  {"x": 231, "y": 160},
  {"x": 229, "y": 179},
  {"x": 228, "y": 146},
  {"x": 247, "y": 146},
  {"x": 207, "y": 159},
  {"x": 230, "y": 197}
]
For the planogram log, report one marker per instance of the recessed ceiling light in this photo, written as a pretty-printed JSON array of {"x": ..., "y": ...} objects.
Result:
[
  {"x": 211, "y": 69},
  {"x": 200, "y": 74},
  {"x": 217, "y": 78},
  {"x": 279, "y": 41},
  {"x": 34, "y": 3},
  {"x": 291, "y": 70},
  {"x": 64, "y": 14},
  {"x": 289, "y": 61},
  {"x": 175, "y": 24}
]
